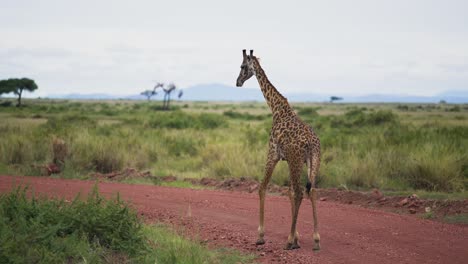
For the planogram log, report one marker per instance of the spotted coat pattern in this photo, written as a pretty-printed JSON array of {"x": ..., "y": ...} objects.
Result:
[{"x": 291, "y": 140}]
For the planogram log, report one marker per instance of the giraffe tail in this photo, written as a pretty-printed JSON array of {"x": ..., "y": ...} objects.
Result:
[
  {"x": 308, "y": 186},
  {"x": 313, "y": 164}
]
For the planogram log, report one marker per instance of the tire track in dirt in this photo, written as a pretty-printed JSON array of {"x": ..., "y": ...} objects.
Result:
[{"x": 350, "y": 234}]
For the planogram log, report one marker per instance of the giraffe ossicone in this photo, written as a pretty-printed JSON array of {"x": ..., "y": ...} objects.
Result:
[{"x": 291, "y": 140}]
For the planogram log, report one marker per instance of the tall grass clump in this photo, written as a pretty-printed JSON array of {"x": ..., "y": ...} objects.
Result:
[
  {"x": 437, "y": 168},
  {"x": 20, "y": 146},
  {"x": 89, "y": 152}
]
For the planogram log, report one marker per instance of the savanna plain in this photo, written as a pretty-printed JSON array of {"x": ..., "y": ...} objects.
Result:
[{"x": 396, "y": 148}]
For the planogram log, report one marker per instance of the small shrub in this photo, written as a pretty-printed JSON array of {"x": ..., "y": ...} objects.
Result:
[{"x": 6, "y": 104}]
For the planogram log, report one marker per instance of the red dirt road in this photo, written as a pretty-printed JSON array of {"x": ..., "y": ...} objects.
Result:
[{"x": 349, "y": 234}]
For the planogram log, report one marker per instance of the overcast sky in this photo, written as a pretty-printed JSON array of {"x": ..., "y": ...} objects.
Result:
[{"x": 340, "y": 47}]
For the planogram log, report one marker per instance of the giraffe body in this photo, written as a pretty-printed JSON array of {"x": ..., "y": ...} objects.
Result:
[{"x": 291, "y": 140}]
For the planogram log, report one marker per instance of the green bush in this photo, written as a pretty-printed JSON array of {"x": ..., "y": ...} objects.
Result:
[{"x": 50, "y": 231}]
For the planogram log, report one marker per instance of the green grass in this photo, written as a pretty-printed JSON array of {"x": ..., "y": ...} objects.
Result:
[
  {"x": 156, "y": 181},
  {"x": 428, "y": 215},
  {"x": 172, "y": 248},
  {"x": 92, "y": 230},
  {"x": 457, "y": 219},
  {"x": 393, "y": 147}
]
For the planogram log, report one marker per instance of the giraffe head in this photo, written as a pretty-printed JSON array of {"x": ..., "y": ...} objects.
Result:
[{"x": 247, "y": 69}]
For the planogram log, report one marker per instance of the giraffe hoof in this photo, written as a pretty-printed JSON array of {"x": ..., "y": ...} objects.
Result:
[
  {"x": 316, "y": 246},
  {"x": 260, "y": 241},
  {"x": 291, "y": 246}
]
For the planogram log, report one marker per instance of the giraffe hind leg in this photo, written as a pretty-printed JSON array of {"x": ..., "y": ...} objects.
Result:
[
  {"x": 313, "y": 167},
  {"x": 295, "y": 166}
]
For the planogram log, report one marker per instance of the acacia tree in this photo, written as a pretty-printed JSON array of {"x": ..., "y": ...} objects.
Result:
[
  {"x": 151, "y": 93},
  {"x": 335, "y": 98},
  {"x": 17, "y": 86}
]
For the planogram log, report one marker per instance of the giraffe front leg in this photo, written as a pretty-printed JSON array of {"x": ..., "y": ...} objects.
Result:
[
  {"x": 270, "y": 166},
  {"x": 261, "y": 228}
]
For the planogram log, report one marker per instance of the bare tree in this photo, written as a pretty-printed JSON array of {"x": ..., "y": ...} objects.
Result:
[{"x": 167, "y": 96}]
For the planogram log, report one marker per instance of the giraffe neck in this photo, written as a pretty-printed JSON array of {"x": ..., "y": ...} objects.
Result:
[{"x": 278, "y": 104}]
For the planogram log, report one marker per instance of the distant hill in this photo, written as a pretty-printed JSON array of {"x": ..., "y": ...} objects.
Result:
[{"x": 221, "y": 92}]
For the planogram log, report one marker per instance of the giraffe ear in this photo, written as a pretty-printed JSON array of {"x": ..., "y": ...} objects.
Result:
[{"x": 251, "y": 52}]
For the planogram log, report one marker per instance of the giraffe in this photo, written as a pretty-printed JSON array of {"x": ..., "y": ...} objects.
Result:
[{"x": 291, "y": 140}]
